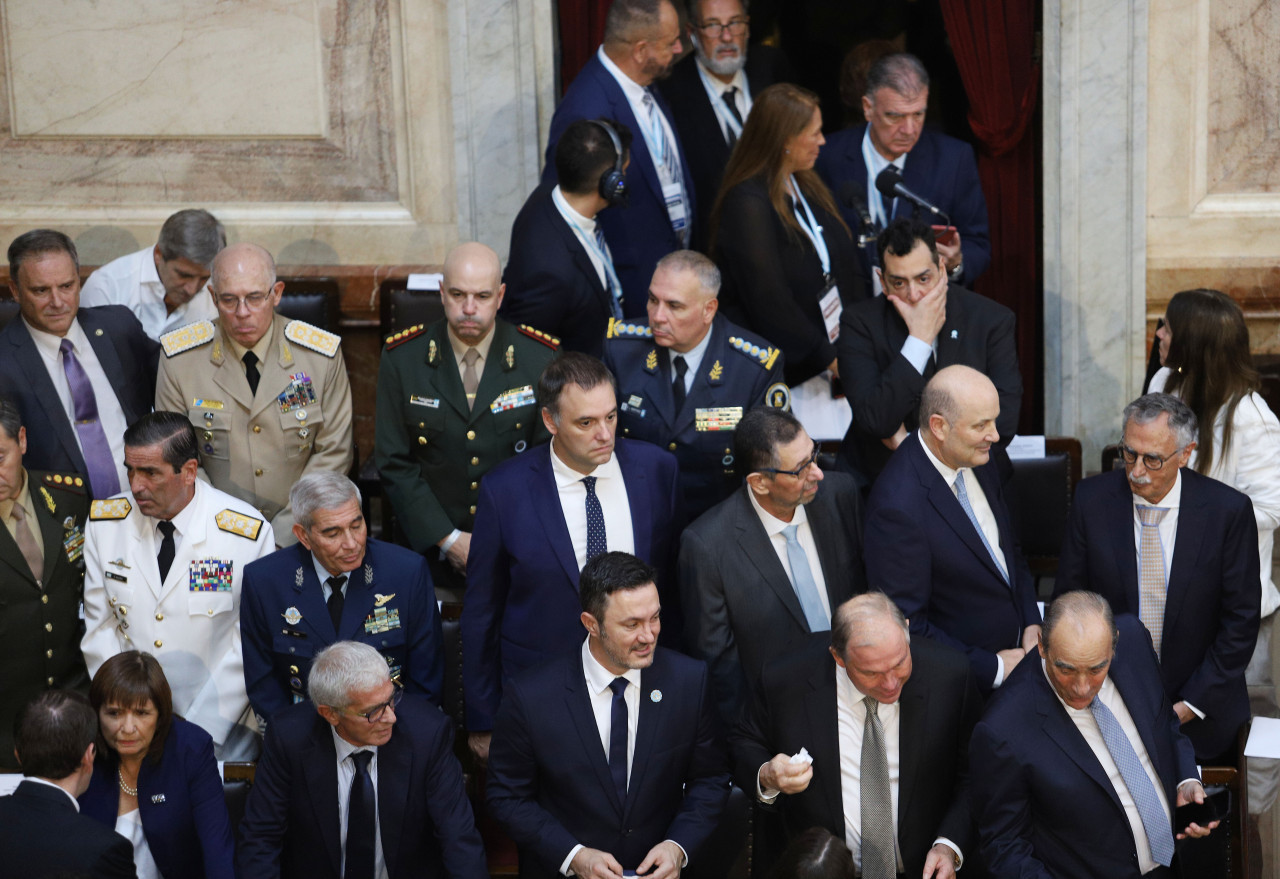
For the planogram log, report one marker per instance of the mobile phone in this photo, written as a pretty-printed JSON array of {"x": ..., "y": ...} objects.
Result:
[{"x": 944, "y": 235}]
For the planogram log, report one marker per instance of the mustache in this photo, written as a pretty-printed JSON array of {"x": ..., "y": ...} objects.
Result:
[{"x": 1140, "y": 480}]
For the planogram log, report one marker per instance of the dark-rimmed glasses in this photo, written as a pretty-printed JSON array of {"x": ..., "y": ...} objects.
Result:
[
  {"x": 1149, "y": 461},
  {"x": 799, "y": 470},
  {"x": 714, "y": 29},
  {"x": 377, "y": 712}
]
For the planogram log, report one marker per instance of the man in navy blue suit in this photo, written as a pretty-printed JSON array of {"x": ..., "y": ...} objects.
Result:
[
  {"x": 937, "y": 168},
  {"x": 79, "y": 375},
  {"x": 1177, "y": 549},
  {"x": 336, "y": 584},
  {"x": 641, "y": 37},
  {"x": 939, "y": 540},
  {"x": 1077, "y": 766},
  {"x": 606, "y": 758},
  {"x": 359, "y": 782},
  {"x": 542, "y": 516}
]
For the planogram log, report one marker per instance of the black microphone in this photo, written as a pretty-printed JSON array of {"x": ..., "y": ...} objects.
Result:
[
  {"x": 889, "y": 183},
  {"x": 854, "y": 196}
]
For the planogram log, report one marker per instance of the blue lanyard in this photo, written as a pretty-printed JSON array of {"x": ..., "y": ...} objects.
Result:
[
  {"x": 811, "y": 227},
  {"x": 717, "y": 103},
  {"x": 588, "y": 242}
]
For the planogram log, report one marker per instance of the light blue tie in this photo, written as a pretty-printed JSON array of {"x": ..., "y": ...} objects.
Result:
[
  {"x": 1145, "y": 797},
  {"x": 963, "y": 496},
  {"x": 802, "y": 582},
  {"x": 615, "y": 287}
]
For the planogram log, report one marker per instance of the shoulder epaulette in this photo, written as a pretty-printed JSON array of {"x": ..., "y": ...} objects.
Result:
[
  {"x": 550, "y": 341},
  {"x": 238, "y": 523},
  {"x": 304, "y": 334},
  {"x": 187, "y": 337},
  {"x": 113, "y": 508},
  {"x": 405, "y": 335},
  {"x": 621, "y": 329},
  {"x": 68, "y": 481},
  {"x": 764, "y": 356}
]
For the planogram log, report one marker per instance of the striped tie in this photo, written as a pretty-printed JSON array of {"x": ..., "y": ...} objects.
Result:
[
  {"x": 1151, "y": 579},
  {"x": 1145, "y": 797}
]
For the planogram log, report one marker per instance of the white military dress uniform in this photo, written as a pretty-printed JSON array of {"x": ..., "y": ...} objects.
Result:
[{"x": 191, "y": 621}]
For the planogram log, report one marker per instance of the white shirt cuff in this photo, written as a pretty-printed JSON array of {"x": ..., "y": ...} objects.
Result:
[
  {"x": 999, "y": 671},
  {"x": 449, "y": 541},
  {"x": 1194, "y": 710},
  {"x": 917, "y": 352},
  {"x": 955, "y": 848},
  {"x": 763, "y": 795},
  {"x": 564, "y": 868},
  {"x": 683, "y": 854}
]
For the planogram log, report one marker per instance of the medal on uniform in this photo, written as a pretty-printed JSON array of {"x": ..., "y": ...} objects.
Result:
[
  {"x": 298, "y": 394},
  {"x": 292, "y": 616},
  {"x": 72, "y": 540},
  {"x": 211, "y": 575},
  {"x": 382, "y": 620},
  {"x": 379, "y": 599}
]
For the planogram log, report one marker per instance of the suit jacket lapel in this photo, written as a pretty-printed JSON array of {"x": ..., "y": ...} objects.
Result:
[
  {"x": 948, "y": 507},
  {"x": 321, "y": 783},
  {"x": 277, "y": 364},
  {"x": 577, "y": 702},
  {"x": 1119, "y": 515},
  {"x": 649, "y": 723},
  {"x": 229, "y": 375},
  {"x": 820, "y": 710},
  {"x": 493, "y": 378},
  {"x": 11, "y": 556},
  {"x": 42, "y": 389},
  {"x": 545, "y": 496},
  {"x": 395, "y": 768},
  {"x": 448, "y": 379},
  {"x": 912, "y": 724},
  {"x": 699, "y": 395},
  {"x": 641, "y": 158},
  {"x": 108, "y": 359},
  {"x": 1192, "y": 526},
  {"x": 51, "y": 533},
  {"x": 1058, "y": 727},
  {"x": 637, "y": 483},
  {"x": 581, "y": 260},
  {"x": 757, "y": 546},
  {"x": 309, "y": 600}
]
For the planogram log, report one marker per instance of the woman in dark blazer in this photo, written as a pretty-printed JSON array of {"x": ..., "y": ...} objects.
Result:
[
  {"x": 156, "y": 770},
  {"x": 783, "y": 251}
]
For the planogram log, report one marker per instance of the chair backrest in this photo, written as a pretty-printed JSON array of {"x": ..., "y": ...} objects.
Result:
[
  {"x": 401, "y": 308},
  {"x": 314, "y": 300},
  {"x": 237, "y": 779},
  {"x": 1039, "y": 496},
  {"x": 8, "y": 311}
]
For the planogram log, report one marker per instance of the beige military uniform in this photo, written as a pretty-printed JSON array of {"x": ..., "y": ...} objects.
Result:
[{"x": 256, "y": 446}]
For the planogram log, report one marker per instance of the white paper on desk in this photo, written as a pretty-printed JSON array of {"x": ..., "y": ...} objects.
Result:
[
  {"x": 823, "y": 417},
  {"x": 426, "y": 281},
  {"x": 1026, "y": 447},
  {"x": 1264, "y": 738}
]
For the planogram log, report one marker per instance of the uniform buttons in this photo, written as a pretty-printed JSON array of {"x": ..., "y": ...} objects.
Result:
[
  {"x": 257, "y": 428},
  {"x": 44, "y": 599},
  {"x": 471, "y": 434},
  {"x": 293, "y": 669},
  {"x": 475, "y": 461},
  {"x": 124, "y": 611},
  {"x": 210, "y": 611},
  {"x": 422, "y": 440},
  {"x": 519, "y": 425},
  {"x": 159, "y": 643},
  {"x": 159, "y": 617},
  {"x": 50, "y": 680},
  {"x": 672, "y": 447},
  {"x": 48, "y": 654},
  {"x": 48, "y": 627},
  {"x": 257, "y": 472},
  {"x": 473, "y": 509},
  {"x": 626, "y": 431},
  {"x": 474, "y": 486}
]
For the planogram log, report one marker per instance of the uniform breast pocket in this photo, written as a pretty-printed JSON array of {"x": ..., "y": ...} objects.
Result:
[
  {"x": 424, "y": 425},
  {"x": 209, "y": 604},
  {"x": 515, "y": 420},
  {"x": 300, "y": 427},
  {"x": 213, "y": 432}
]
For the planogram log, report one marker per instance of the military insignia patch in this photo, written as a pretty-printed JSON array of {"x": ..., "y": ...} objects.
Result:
[
  {"x": 546, "y": 339},
  {"x": 304, "y": 334},
  {"x": 764, "y": 356},
  {"x": 299, "y": 393},
  {"x": 651, "y": 361},
  {"x": 201, "y": 403},
  {"x": 512, "y": 399},
  {"x": 717, "y": 372},
  {"x": 48, "y": 500},
  {"x": 429, "y": 402},
  {"x": 778, "y": 396},
  {"x": 380, "y": 599},
  {"x": 404, "y": 335},
  {"x": 717, "y": 418},
  {"x": 382, "y": 620},
  {"x": 72, "y": 540},
  {"x": 297, "y": 578},
  {"x": 292, "y": 616},
  {"x": 621, "y": 329},
  {"x": 236, "y": 523},
  {"x": 185, "y": 338},
  {"x": 511, "y": 357},
  {"x": 114, "y": 508},
  {"x": 210, "y": 575},
  {"x": 433, "y": 352}
]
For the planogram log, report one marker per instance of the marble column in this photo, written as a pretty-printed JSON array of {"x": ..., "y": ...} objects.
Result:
[{"x": 1095, "y": 158}]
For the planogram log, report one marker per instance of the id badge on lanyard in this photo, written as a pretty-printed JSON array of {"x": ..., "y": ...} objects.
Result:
[{"x": 832, "y": 307}]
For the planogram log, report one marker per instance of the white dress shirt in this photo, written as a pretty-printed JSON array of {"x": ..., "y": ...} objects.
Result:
[
  {"x": 880, "y": 212},
  {"x": 635, "y": 94},
  {"x": 46, "y": 781},
  {"x": 692, "y": 358},
  {"x": 322, "y": 573},
  {"x": 586, "y": 227},
  {"x": 110, "y": 413},
  {"x": 741, "y": 100},
  {"x": 132, "y": 281},
  {"x": 611, "y": 489},
  {"x": 773, "y": 526},
  {"x": 346, "y": 774}
]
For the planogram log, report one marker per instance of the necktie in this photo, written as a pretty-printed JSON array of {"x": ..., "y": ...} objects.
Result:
[
  {"x": 336, "y": 599},
  {"x": 470, "y": 378},
  {"x": 251, "y": 371},
  {"x": 668, "y": 160},
  {"x": 963, "y": 495},
  {"x": 677, "y": 386},
  {"x": 596, "y": 542},
  {"x": 730, "y": 98},
  {"x": 879, "y": 857},
  {"x": 615, "y": 290},
  {"x": 1145, "y": 797},
  {"x": 362, "y": 827},
  {"x": 802, "y": 582},
  {"x": 1151, "y": 581},
  {"x": 103, "y": 477},
  {"x": 618, "y": 737},
  {"x": 27, "y": 543},
  {"x": 164, "y": 558}
]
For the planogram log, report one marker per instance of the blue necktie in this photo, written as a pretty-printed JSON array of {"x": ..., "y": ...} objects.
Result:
[
  {"x": 802, "y": 582},
  {"x": 362, "y": 826},
  {"x": 596, "y": 542},
  {"x": 1145, "y": 797},
  {"x": 610, "y": 275},
  {"x": 963, "y": 496},
  {"x": 618, "y": 738}
]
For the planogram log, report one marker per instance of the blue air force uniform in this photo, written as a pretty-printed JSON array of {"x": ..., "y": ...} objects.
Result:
[{"x": 739, "y": 370}]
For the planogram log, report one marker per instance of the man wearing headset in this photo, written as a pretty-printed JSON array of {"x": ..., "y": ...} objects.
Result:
[{"x": 560, "y": 276}]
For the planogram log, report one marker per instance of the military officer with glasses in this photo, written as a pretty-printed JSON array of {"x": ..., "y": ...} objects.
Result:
[{"x": 268, "y": 396}]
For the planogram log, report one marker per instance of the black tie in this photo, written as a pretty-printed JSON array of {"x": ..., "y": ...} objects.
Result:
[
  {"x": 336, "y": 599},
  {"x": 618, "y": 738},
  {"x": 730, "y": 101},
  {"x": 165, "y": 556},
  {"x": 362, "y": 827},
  {"x": 251, "y": 371},
  {"x": 677, "y": 386},
  {"x": 597, "y": 540}
]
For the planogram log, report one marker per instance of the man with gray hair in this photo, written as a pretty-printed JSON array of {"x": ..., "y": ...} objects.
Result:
[
  {"x": 165, "y": 286},
  {"x": 336, "y": 583},
  {"x": 1179, "y": 551},
  {"x": 361, "y": 782},
  {"x": 686, "y": 377},
  {"x": 838, "y": 744}
]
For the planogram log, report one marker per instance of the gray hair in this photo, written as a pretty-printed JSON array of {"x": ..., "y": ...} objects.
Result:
[
  {"x": 703, "y": 269},
  {"x": 10, "y": 418},
  {"x": 192, "y": 234},
  {"x": 343, "y": 668},
  {"x": 1149, "y": 407},
  {"x": 629, "y": 21},
  {"x": 266, "y": 262},
  {"x": 322, "y": 490},
  {"x": 900, "y": 72},
  {"x": 1077, "y": 606},
  {"x": 859, "y": 621}
]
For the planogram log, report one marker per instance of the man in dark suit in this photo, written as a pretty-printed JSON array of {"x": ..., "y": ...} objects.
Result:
[
  {"x": 938, "y": 168},
  {"x": 1178, "y": 550},
  {"x": 560, "y": 275},
  {"x": 640, "y": 40},
  {"x": 41, "y": 579},
  {"x": 686, "y": 377},
  {"x": 312, "y": 810},
  {"x": 743, "y": 603},
  {"x": 79, "y": 375},
  {"x": 606, "y": 758},
  {"x": 42, "y": 833},
  {"x": 925, "y": 706},
  {"x": 939, "y": 540},
  {"x": 336, "y": 584},
  {"x": 891, "y": 345},
  {"x": 545, "y": 514},
  {"x": 1078, "y": 765},
  {"x": 709, "y": 92}
]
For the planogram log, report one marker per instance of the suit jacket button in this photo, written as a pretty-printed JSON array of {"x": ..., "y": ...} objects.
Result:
[
  {"x": 519, "y": 425},
  {"x": 48, "y": 627},
  {"x": 159, "y": 617},
  {"x": 672, "y": 447},
  {"x": 48, "y": 654},
  {"x": 159, "y": 643},
  {"x": 422, "y": 440},
  {"x": 473, "y": 509},
  {"x": 475, "y": 461},
  {"x": 257, "y": 428},
  {"x": 257, "y": 472},
  {"x": 474, "y": 486},
  {"x": 44, "y": 599},
  {"x": 471, "y": 434}
]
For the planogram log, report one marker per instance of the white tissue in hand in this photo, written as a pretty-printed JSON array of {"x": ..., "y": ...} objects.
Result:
[{"x": 802, "y": 757}]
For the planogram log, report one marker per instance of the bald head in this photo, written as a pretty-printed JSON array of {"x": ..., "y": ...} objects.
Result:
[
  {"x": 865, "y": 620},
  {"x": 472, "y": 291},
  {"x": 958, "y": 412},
  {"x": 472, "y": 260},
  {"x": 870, "y": 642},
  {"x": 244, "y": 287},
  {"x": 1078, "y": 641},
  {"x": 243, "y": 258}
]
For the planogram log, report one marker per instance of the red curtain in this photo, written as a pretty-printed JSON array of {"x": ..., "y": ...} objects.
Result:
[
  {"x": 993, "y": 42},
  {"x": 581, "y": 30}
]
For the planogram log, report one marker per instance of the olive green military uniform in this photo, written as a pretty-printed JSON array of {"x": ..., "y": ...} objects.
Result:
[{"x": 256, "y": 446}]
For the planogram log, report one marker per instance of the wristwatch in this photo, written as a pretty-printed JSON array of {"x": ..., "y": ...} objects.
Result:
[{"x": 954, "y": 274}]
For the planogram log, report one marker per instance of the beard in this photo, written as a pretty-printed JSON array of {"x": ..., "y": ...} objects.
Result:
[{"x": 725, "y": 66}]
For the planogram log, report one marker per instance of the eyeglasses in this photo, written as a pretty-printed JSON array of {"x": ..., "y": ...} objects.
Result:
[
  {"x": 813, "y": 457},
  {"x": 377, "y": 712},
  {"x": 714, "y": 29},
  {"x": 1149, "y": 461},
  {"x": 253, "y": 301}
]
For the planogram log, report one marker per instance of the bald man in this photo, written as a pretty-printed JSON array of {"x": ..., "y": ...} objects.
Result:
[
  {"x": 268, "y": 396},
  {"x": 454, "y": 399},
  {"x": 939, "y": 540}
]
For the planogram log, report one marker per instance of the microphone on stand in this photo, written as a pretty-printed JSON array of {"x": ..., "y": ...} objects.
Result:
[{"x": 889, "y": 183}]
